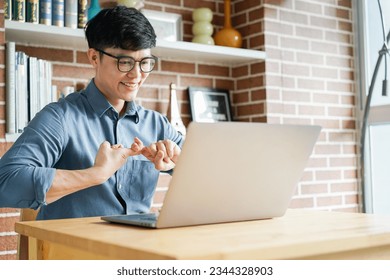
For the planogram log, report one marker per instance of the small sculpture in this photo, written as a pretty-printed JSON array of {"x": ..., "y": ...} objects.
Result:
[{"x": 202, "y": 28}]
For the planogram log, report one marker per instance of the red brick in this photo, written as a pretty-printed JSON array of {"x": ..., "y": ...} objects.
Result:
[
  {"x": 8, "y": 257},
  {"x": 47, "y": 53},
  {"x": 240, "y": 71},
  {"x": 2, "y": 93},
  {"x": 328, "y": 175},
  {"x": 301, "y": 203},
  {"x": 73, "y": 71},
  {"x": 8, "y": 242},
  {"x": 179, "y": 67},
  {"x": 329, "y": 200},
  {"x": 344, "y": 187},
  {"x": 240, "y": 97},
  {"x": 314, "y": 189},
  {"x": 224, "y": 84},
  {"x": 252, "y": 109},
  {"x": 213, "y": 70}
]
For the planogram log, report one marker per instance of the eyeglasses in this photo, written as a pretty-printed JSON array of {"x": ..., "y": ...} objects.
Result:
[{"x": 126, "y": 63}]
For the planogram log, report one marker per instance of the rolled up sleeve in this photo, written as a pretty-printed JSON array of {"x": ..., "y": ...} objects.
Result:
[{"x": 26, "y": 169}]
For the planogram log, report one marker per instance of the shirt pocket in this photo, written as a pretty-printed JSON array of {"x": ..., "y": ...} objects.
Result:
[{"x": 143, "y": 181}]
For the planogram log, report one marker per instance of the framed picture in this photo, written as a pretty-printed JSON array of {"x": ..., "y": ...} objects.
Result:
[
  {"x": 209, "y": 104},
  {"x": 167, "y": 26}
]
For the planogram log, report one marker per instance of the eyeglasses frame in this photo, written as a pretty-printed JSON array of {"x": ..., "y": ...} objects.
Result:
[{"x": 124, "y": 56}]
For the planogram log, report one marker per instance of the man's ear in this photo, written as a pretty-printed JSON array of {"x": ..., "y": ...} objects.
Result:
[{"x": 93, "y": 56}]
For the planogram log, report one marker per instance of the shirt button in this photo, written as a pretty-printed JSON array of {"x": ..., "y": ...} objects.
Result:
[{"x": 119, "y": 186}]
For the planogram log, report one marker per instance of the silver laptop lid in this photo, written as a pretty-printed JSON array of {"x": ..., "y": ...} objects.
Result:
[{"x": 235, "y": 171}]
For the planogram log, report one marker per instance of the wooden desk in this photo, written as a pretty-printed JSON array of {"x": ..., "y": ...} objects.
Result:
[{"x": 300, "y": 234}]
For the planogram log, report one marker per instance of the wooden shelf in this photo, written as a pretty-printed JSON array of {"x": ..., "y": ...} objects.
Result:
[{"x": 65, "y": 38}]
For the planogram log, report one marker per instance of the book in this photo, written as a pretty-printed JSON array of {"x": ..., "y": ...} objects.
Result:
[
  {"x": 48, "y": 84},
  {"x": 19, "y": 10},
  {"x": 21, "y": 87},
  {"x": 32, "y": 11},
  {"x": 58, "y": 13},
  {"x": 10, "y": 88},
  {"x": 45, "y": 95},
  {"x": 82, "y": 13},
  {"x": 71, "y": 13},
  {"x": 8, "y": 9},
  {"x": 28, "y": 88},
  {"x": 45, "y": 12},
  {"x": 33, "y": 88}
]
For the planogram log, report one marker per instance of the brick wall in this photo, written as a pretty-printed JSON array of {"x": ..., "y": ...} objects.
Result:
[
  {"x": 307, "y": 78},
  {"x": 310, "y": 80}
]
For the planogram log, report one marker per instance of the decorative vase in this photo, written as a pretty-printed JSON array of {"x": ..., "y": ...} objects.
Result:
[
  {"x": 138, "y": 4},
  {"x": 228, "y": 36},
  {"x": 94, "y": 8},
  {"x": 202, "y": 28}
]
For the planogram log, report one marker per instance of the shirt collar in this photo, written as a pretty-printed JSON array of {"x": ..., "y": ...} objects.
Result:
[
  {"x": 132, "y": 110},
  {"x": 100, "y": 104}
]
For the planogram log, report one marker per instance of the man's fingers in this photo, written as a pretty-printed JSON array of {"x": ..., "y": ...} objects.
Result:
[
  {"x": 159, "y": 160},
  {"x": 105, "y": 144},
  {"x": 138, "y": 142}
]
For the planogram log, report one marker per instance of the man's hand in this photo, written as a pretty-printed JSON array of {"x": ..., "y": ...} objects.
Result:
[
  {"x": 164, "y": 154},
  {"x": 110, "y": 158}
]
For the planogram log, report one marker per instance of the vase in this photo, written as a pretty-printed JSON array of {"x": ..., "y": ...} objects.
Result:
[
  {"x": 138, "y": 4},
  {"x": 228, "y": 36},
  {"x": 94, "y": 8},
  {"x": 202, "y": 28}
]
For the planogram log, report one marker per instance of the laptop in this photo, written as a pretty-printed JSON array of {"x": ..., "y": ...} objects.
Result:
[{"x": 230, "y": 172}]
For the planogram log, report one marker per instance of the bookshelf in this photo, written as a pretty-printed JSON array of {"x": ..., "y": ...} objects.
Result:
[{"x": 68, "y": 38}]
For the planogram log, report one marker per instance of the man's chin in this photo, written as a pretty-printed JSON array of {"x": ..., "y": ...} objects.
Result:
[{"x": 130, "y": 97}]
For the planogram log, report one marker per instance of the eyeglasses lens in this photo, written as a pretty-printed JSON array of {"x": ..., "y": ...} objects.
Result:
[{"x": 127, "y": 64}]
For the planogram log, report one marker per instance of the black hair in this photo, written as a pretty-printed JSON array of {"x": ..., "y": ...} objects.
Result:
[{"x": 120, "y": 27}]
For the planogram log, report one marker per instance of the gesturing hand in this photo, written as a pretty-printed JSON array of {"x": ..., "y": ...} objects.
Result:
[
  {"x": 110, "y": 158},
  {"x": 164, "y": 154}
]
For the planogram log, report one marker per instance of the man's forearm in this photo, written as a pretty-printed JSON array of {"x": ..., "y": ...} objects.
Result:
[{"x": 66, "y": 182}]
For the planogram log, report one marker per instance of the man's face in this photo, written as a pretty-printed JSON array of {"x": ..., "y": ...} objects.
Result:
[{"x": 117, "y": 86}]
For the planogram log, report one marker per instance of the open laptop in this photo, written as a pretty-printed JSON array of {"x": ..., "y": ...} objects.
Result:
[{"x": 232, "y": 171}]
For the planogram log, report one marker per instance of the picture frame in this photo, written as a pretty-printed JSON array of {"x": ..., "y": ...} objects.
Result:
[
  {"x": 167, "y": 26},
  {"x": 209, "y": 104}
]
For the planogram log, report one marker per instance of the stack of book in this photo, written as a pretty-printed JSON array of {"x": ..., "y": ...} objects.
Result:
[
  {"x": 28, "y": 87},
  {"x": 68, "y": 13}
]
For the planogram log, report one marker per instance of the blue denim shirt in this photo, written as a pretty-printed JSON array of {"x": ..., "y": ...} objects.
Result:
[{"x": 67, "y": 135}]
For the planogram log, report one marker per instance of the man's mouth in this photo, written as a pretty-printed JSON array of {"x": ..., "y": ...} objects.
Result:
[{"x": 130, "y": 85}]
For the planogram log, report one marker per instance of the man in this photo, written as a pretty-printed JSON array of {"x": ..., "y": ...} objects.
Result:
[{"x": 96, "y": 152}]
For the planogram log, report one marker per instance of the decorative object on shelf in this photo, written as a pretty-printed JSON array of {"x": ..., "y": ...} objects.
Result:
[
  {"x": 228, "y": 36},
  {"x": 8, "y": 9},
  {"x": 58, "y": 13},
  {"x": 202, "y": 28},
  {"x": 138, "y": 4},
  {"x": 167, "y": 26},
  {"x": 71, "y": 13},
  {"x": 174, "y": 112},
  {"x": 45, "y": 12},
  {"x": 19, "y": 10},
  {"x": 94, "y": 8},
  {"x": 82, "y": 13},
  {"x": 209, "y": 104},
  {"x": 32, "y": 11}
]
